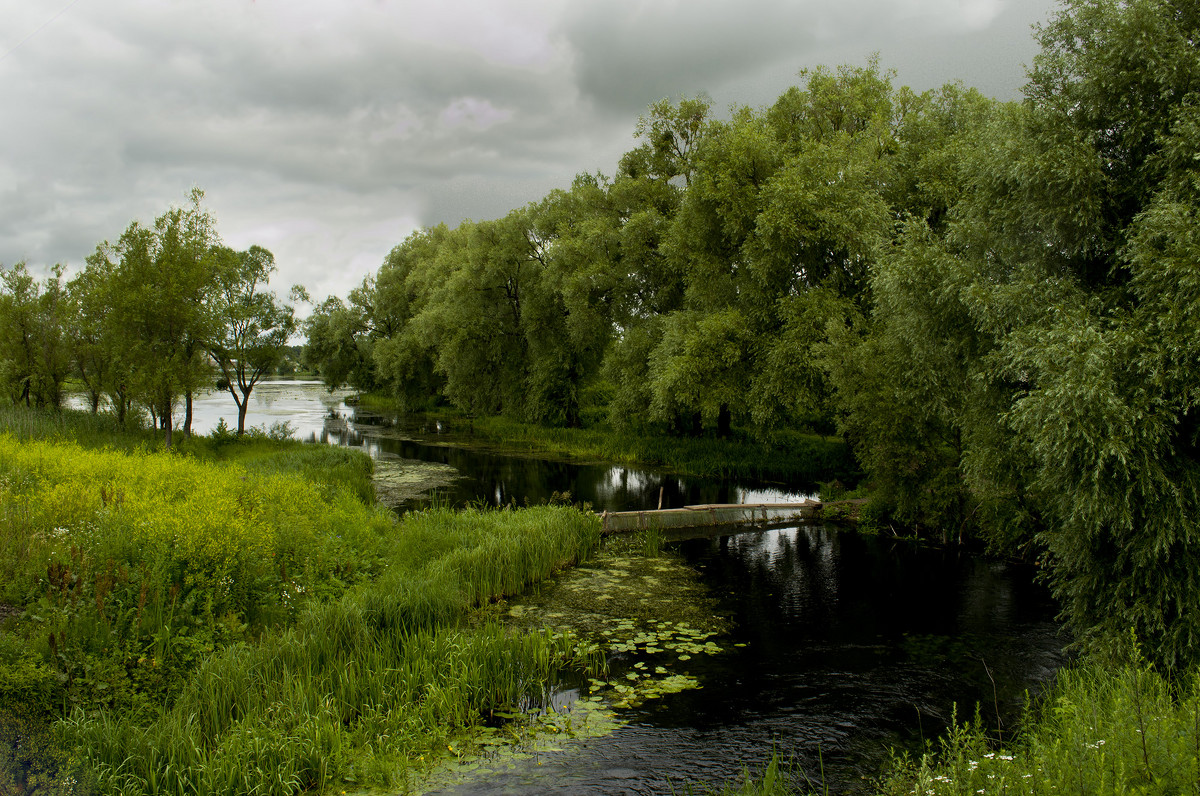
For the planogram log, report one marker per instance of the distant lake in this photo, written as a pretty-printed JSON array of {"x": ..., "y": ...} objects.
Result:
[{"x": 303, "y": 403}]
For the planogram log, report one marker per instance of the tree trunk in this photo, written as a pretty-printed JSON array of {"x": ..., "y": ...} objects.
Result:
[
  {"x": 167, "y": 426},
  {"x": 187, "y": 415},
  {"x": 243, "y": 405},
  {"x": 724, "y": 422}
]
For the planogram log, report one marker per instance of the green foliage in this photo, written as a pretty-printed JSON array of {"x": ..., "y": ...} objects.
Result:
[
  {"x": 232, "y": 614},
  {"x": 1091, "y": 349},
  {"x": 307, "y": 706},
  {"x": 692, "y": 282},
  {"x": 1026, "y": 371},
  {"x": 35, "y": 355},
  {"x": 159, "y": 281},
  {"x": 252, "y": 328},
  {"x": 152, "y": 561},
  {"x": 789, "y": 456},
  {"x": 1099, "y": 730}
]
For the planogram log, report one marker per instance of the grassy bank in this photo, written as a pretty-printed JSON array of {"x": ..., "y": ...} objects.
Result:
[
  {"x": 788, "y": 456},
  {"x": 1100, "y": 730},
  {"x": 233, "y": 616}
]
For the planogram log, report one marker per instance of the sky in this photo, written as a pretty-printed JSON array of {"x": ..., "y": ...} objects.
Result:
[{"x": 329, "y": 131}]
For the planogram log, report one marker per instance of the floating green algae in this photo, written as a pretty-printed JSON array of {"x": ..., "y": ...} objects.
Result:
[
  {"x": 398, "y": 481},
  {"x": 648, "y": 618},
  {"x": 648, "y": 615}
]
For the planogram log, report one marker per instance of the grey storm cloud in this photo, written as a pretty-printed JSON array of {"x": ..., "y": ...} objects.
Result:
[{"x": 329, "y": 131}]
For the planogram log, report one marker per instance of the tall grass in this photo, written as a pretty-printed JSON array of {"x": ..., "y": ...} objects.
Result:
[
  {"x": 361, "y": 688},
  {"x": 1100, "y": 730},
  {"x": 131, "y": 567},
  {"x": 335, "y": 468},
  {"x": 220, "y": 623},
  {"x": 84, "y": 428}
]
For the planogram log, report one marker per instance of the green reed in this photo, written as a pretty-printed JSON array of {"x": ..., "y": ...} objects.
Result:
[{"x": 393, "y": 658}]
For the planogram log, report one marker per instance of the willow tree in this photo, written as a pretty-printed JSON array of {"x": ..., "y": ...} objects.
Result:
[
  {"x": 34, "y": 345},
  {"x": 782, "y": 216},
  {"x": 1042, "y": 329},
  {"x": 1107, "y": 365},
  {"x": 161, "y": 278}
]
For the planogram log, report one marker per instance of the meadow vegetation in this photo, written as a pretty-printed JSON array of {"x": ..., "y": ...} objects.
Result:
[
  {"x": 218, "y": 618},
  {"x": 1099, "y": 731}
]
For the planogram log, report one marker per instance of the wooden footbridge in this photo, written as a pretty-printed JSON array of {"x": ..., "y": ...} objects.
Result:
[{"x": 716, "y": 514}]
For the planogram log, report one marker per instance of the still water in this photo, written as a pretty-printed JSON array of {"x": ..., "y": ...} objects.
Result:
[
  {"x": 843, "y": 646},
  {"x": 315, "y": 414}
]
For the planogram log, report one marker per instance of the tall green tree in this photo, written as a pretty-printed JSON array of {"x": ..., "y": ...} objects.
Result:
[
  {"x": 782, "y": 217},
  {"x": 338, "y": 345},
  {"x": 905, "y": 369},
  {"x": 250, "y": 326},
  {"x": 1108, "y": 387},
  {"x": 1039, "y": 331},
  {"x": 34, "y": 352},
  {"x": 162, "y": 277}
]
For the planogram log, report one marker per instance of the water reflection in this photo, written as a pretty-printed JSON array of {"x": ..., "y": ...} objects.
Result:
[
  {"x": 852, "y": 645},
  {"x": 320, "y": 416}
]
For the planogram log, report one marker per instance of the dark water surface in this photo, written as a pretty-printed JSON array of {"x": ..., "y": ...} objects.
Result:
[{"x": 852, "y": 644}]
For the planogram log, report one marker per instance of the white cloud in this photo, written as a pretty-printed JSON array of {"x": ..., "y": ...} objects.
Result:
[{"x": 328, "y": 131}]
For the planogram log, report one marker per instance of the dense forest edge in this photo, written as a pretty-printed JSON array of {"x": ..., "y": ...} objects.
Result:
[{"x": 992, "y": 306}]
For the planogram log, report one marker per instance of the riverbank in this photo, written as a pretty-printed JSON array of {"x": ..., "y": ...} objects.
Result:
[
  {"x": 235, "y": 617},
  {"x": 787, "y": 457},
  {"x": 1102, "y": 729}
]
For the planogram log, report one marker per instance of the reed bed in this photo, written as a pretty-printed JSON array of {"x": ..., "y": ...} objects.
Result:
[{"x": 367, "y": 687}]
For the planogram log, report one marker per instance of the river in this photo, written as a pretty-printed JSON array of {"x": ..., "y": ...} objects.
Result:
[{"x": 839, "y": 648}]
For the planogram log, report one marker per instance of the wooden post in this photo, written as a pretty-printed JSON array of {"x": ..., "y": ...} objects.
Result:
[{"x": 660, "y": 494}]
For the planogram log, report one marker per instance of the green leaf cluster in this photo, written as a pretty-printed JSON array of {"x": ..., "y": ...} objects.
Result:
[
  {"x": 1028, "y": 369},
  {"x": 146, "y": 322},
  {"x": 996, "y": 304}
]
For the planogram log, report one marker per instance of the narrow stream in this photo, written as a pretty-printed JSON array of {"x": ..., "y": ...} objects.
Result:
[{"x": 842, "y": 646}]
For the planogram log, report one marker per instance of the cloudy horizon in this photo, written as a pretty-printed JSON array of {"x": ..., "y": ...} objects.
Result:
[{"x": 329, "y": 132}]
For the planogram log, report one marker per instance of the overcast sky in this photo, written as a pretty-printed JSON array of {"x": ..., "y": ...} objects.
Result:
[{"x": 328, "y": 131}]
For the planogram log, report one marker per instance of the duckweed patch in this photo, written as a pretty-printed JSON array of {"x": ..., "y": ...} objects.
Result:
[
  {"x": 399, "y": 481},
  {"x": 646, "y": 617},
  {"x": 649, "y": 616},
  {"x": 524, "y": 740},
  {"x": 620, "y": 590}
]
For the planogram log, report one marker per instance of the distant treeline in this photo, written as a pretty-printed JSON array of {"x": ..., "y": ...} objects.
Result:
[
  {"x": 996, "y": 303},
  {"x": 161, "y": 314}
]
